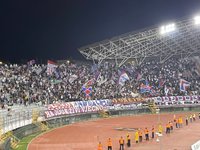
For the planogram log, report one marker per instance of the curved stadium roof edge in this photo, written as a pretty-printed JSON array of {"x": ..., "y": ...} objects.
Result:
[{"x": 148, "y": 42}]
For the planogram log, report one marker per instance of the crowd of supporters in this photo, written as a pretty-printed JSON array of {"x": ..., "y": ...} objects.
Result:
[{"x": 31, "y": 83}]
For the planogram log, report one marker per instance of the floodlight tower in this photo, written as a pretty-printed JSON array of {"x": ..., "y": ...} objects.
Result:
[
  {"x": 197, "y": 20},
  {"x": 167, "y": 28}
]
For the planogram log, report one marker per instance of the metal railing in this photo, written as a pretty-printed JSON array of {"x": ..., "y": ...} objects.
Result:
[{"x": 17, "y": 116}]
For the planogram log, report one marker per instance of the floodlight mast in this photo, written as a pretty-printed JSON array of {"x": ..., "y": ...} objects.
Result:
[
  {"x": 167, "y": 28},
  {"x": 197, "y": 20}
]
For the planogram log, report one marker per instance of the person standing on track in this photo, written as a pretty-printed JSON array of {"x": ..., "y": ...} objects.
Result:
[
  {"x": 160, "y": 128},
  {"x": 146, "y": 132},
  {"x": 176, "y": 123},
  {"x": 181, "y": 122},
  {"x": 174, "y": 118},
  {"x": 121, "y": 143},
  {"x": 186, "y": 120},
  {"x": 140, "y": 135},
  {"x": 128, "y": 138},
  {"x": 168, "y": 128},
  {"x": 100, "y": 146},
  {"x": 152, "y": 132},
  {"x": 109, "y": 143},
  {"x": 136, "y": 136},
  {"x": 191, "y": 118},
  {"x": 171, "y": 126},
  {"x": 194, "y": 117}
]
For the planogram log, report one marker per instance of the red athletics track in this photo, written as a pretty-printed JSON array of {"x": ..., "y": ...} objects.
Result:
[{"x": 85, "y": 135}]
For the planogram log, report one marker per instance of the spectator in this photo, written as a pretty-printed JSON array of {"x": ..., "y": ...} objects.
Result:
[{"x": 23, "y": 84}]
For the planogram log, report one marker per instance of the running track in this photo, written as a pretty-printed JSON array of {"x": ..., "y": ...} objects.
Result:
[{"x": 85, "y": 135}]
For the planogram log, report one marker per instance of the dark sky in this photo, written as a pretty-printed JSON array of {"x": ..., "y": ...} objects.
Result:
[{"x": 55, "y": 29}]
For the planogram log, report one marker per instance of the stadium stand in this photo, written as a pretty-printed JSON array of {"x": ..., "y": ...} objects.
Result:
[{"x": 24, "y": 84}]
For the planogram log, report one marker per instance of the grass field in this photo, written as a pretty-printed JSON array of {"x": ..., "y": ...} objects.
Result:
[{"x": 25, "y": 141}]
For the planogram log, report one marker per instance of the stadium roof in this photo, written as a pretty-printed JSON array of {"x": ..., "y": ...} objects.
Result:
[{"x": 181, "y": 38}]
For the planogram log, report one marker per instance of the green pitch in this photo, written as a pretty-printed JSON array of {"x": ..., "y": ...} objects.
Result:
[{"x": 25, "y": 141}]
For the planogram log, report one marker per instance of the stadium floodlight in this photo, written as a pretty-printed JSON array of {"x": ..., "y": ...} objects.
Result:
[
  {"x": 197, "y": 20},
  {"x": 167, "y": 28}
]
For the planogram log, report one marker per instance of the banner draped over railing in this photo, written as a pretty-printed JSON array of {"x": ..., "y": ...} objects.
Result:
[
  {"x": 69, "y": 108},
  {"x": 77, "y": 107},
  {"x": 176, "y": 98}
]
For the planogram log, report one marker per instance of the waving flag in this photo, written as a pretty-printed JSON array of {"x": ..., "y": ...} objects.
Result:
[
  {"x": 51, "y": 67},
  {"x": 89, "y": 83},
  {"x": 123, "y": 78},
  {"x": 145, "y": 88},
  {"x": 101, "y": 80},
  {"x": 184, "y": 85},
  {"x": 87, "y": 91},
  {"x": 161, "y": 83},
  {"x": 139, "y": 76},
  {"x": 97, "y": 75},
  {"x": 57, "y": 73},
  {"x": 87, "y": 87}
]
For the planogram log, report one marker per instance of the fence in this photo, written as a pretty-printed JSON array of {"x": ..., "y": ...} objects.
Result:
[
  {"x": 21, "y": 116},
  {"x": 17, "y": 116}
]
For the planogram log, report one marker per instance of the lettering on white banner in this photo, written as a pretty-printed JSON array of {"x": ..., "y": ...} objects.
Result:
[{"x": 69, "y": 108}]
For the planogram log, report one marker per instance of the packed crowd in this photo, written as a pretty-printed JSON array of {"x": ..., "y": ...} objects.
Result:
[{"x": 25, "y": 84}]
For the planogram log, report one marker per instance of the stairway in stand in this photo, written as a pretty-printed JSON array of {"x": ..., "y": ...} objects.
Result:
[
  {"x": 9, "y": 135},
  {"x": 152, "y": 107},
  {"x": 104, "y": 114},
  {"x": 42, "y": 125}
]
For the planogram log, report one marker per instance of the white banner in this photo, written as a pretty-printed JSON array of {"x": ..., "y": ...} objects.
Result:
[
  {"x": 176, "y": 98},
  {"x": 68, "y": 108}
]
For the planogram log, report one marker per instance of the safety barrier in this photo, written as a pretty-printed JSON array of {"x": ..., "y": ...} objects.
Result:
[{"x": 18, "y": 116}]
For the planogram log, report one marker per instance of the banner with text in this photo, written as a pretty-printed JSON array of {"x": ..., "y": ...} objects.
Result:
[
  {"x": 68, "y": 108},
  {"x": 176, "y": 98}
]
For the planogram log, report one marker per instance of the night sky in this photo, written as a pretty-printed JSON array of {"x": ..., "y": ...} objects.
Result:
[{"x": 55, "y": 29}]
